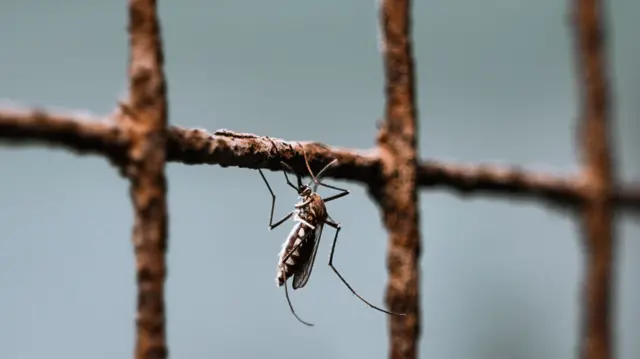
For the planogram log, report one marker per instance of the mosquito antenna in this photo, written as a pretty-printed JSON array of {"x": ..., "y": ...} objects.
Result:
[
  {"x": 325, "y": 168},
  {"x": 314, "y": 178},
  {"x": 306, "y": 162},
  {"x": 286, "y": 293}
]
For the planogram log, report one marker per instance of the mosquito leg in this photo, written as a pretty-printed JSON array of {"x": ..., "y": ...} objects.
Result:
[
  {"x": 287, "y": 177},
  {"x": 275, "y": 147},
  {"x": 343, "y": 192},
  {"x": 281, "y": 221},
  {"x": 336, "y": 226},
  {"x": 339, "y": 195},
  {"x": 286, "y": 293},
  {"x": 334, "y": 187},
  {"x": 273, "y": 205},
  {"x": 306, "y": 223}
]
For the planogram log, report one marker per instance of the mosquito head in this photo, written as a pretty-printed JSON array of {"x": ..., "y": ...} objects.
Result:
[{"x": 304, "y": 191}]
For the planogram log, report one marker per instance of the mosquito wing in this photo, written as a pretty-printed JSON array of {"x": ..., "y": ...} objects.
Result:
[{"x": 301, "y": 277}]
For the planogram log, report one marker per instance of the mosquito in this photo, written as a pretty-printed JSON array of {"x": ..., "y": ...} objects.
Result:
[{"x": 298, "y": 253}]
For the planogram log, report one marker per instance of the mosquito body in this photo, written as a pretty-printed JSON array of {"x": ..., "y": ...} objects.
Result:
[
  {"x": 300, "y": 246},
  {"x": 298, "y": 253}
]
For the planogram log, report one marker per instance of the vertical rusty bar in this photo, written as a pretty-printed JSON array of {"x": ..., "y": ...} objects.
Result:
[
  {"x": 148, "y": 126},
  {"x": 397, "y": 141},
  {"x": 597, "y": 220}
]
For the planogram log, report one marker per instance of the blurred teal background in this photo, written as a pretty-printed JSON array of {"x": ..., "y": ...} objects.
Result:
[{"x": 500, "y": 279}]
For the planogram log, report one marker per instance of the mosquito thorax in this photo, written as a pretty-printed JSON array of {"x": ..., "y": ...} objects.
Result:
[{"x": 305, "y": 191}]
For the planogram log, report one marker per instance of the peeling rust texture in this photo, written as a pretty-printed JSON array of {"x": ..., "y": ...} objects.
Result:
[
  {"x": 397, "y": 195},
  {"x": 227, "y": 148},
  {"x": 80, "y": 133},
  {"x": 148, "y": 119},
  {"x": 599, "y": 168},
  {"x": 91, "y": 135},
  {"x": 511, "y": 181}
]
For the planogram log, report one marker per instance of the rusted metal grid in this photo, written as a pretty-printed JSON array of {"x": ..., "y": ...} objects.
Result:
[{"x": 137, "y": 139}]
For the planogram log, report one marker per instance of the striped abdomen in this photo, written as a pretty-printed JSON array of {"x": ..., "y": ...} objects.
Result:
[{"x": 294, "y": 262}]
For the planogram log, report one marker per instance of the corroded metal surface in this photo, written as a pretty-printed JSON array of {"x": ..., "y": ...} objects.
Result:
[
  {"x": 397, "y": 194},
  {"x": 146, "y": 121},
  {"x": 139, "y": 143},
  {"x": 597, "y": 219},
  {"x": 91, "y": 135}
]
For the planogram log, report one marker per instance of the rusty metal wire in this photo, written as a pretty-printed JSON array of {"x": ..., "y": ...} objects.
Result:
[
  {"x": 396, "y": 193},
  {"x": 137, "y": 139},
  {"x": 86, "y": 135},
  {"x": 145, "y": 118},
  {"x": 599, "y": 174}
]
